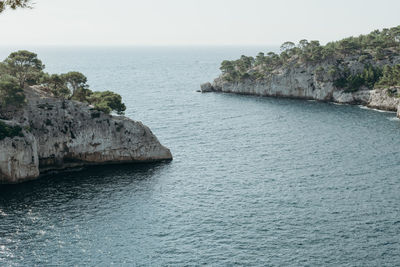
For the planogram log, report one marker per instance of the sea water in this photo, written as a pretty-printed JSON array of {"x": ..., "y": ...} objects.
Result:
[{"x": 254, "y": 181}]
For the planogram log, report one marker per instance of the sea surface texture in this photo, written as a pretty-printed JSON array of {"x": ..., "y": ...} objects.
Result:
[{"x": 254, "y": 181}]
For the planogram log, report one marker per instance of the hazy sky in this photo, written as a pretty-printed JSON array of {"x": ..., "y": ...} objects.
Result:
[{"x": 193, "y": 22}]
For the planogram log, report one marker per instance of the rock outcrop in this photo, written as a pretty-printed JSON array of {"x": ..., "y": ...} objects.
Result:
[
  {"x": 206, "y": 87},
  {"x": 60, "y": 134},
  {"x": 312, "y": 81}
]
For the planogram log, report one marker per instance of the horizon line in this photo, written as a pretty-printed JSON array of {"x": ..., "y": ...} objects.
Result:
[{"x": 138, "y": 45}]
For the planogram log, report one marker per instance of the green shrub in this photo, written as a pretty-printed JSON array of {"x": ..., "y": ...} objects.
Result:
[
  {"x": 56, "y": 84},
  {"x": 363, "y": 58},
  {"x": 377, "y": 45},
  {"x": 390, "y": 76},
  {"x": 23, "y": 68},
  {"x": 107, "y": 101},
  {"x": 351, "y": 82},
  {"x": 82, "y": 94},
  {"x": 392, "y": 92},
  {"x": 11, "y": 94},
  {"x": 9, "y": 131}
]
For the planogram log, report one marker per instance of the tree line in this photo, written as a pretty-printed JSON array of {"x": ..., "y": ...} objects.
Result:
[{"x": 377, "y": 45}]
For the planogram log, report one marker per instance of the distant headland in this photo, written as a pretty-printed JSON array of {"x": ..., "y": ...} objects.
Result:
[{"x": 356, "y": 70}]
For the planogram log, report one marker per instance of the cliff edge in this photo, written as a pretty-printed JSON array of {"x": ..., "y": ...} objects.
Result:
[
  {"x": 301, "y": 82},
  {"x": 356, "y": 70},
  {"x": 56, "y": 134}
]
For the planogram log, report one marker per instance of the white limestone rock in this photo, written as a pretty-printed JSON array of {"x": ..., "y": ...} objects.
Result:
[
  {"x": 18, "y": 159},
  {"x": 385, "y": 99},
  {"x": 66, "y": 134},
  {"x": 312, "y": 81}
]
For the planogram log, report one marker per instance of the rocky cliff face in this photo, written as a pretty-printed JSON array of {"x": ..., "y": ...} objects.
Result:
[
  {"x": 60, "y": 134},
  {"x": 312, "y": 81}
]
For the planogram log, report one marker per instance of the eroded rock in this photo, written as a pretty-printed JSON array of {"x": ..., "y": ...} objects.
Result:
[
  {"x": 307, "y": 81},
  {"x": 206, "y": 87},
  {"x": 64, "y": 134}
]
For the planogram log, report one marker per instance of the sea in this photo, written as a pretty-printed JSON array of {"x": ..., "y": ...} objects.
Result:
[{"x": 255, "y": 181}]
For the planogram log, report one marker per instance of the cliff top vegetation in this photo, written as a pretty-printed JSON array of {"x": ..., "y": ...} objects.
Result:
[
  {"x": 379, "y": 45},
  {"x": 23, "y": 68}
]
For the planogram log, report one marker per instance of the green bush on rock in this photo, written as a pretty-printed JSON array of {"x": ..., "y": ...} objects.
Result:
[
  {"x": 23, "y": 68},
  {"x": 351, "y": 82},
  {"x": 9, "y": 131},
  {"x": 107, "y": 101},
  {"x": 390, "y": 76},
  {"x": 377, "y": 45},
  {"x": 11, "y": 94}
]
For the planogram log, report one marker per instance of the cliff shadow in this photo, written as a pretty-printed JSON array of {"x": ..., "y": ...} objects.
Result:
[{"x": 88, "y": 183}]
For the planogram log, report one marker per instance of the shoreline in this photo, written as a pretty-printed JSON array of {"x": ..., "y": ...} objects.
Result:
[
  {"x": 310, "y": 99},
  {"x": 58, "y": 134}
]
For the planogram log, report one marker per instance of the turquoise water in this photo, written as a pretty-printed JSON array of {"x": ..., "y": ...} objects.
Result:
[{"x": 254, "y": 182}]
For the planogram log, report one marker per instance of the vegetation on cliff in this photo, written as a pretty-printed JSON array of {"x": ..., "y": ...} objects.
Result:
[
  {"x": 351, "y": 82},
  {"x": 11, "y": 94},
  {"x": 23, "y": 68},
  {"x": 9, "y": 131},
  {"x": 378, "y": 46},
  {"x": 390, "y": 76}
]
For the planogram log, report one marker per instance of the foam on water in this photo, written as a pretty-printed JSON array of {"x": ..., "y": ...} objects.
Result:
[{"x": 379, "y": 110}]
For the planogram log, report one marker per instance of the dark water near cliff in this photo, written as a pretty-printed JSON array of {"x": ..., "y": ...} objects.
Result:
[{"x": 255, "y": 181}]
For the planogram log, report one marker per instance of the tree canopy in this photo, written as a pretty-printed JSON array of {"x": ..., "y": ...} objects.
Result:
[
  {"x": 14, "y": 4},
  {"x": 107, "y": 101},
  {"x": 23, "y": 68},
  {"x": 9, "y": 131},
  {"x": 75, "y": 80},
  {"x": 390, "y": 76},
  {"x": 56, "y": 84},
  {"x": 11, "y": 94},
  {"x": 375, "y": 46}
]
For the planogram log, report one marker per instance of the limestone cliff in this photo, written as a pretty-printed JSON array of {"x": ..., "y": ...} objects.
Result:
[
  {"x": 59, "y": 134},
  {"x": 312, "y": 81}
]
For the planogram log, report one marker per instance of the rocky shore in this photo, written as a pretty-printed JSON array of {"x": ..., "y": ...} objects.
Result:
[
  {"x": 58, "y": 134},
  {"x": 307, "y": 81}
]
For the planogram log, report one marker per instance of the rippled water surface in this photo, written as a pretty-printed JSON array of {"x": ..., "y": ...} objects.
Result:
[{"x": 254, "y": 181}]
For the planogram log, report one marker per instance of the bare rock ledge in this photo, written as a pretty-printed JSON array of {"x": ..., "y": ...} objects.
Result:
[{"x": 60, "y": 134}]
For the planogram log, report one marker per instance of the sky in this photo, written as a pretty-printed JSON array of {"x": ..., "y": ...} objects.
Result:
[{"x": 193, "y": 22}]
